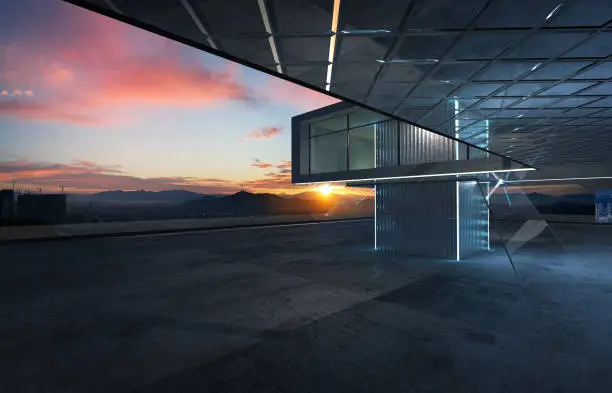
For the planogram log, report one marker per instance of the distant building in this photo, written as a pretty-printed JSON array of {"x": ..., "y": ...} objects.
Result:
[
  {"x": 46, "y": 208},
  {"x": 7, "y": 203}
]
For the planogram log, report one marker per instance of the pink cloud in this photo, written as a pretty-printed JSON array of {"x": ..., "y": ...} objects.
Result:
[
  {"x": 297, "y": 96},
  {"x": 263, "y": 133},
  {"x": 45, "y": 111},
  {"x": 97, "y": 66}
]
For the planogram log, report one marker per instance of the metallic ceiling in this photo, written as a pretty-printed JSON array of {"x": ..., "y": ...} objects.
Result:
[{"x": 535, "y": 74}]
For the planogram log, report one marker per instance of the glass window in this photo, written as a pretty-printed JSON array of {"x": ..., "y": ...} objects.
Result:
[
  {"x": 361, "y": 147},
  {"x": 326, "y": 126},
  {"x": 363, "y": 117},
  {"x": 328, "y": 153}
]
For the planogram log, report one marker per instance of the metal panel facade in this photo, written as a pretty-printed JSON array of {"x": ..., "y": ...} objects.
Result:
[
  {"x": 419, "y": 146},
  {"x": 473, "y": 219},
  {"x": 417, "y": 218},
  {"x": 386, "y": 144}
]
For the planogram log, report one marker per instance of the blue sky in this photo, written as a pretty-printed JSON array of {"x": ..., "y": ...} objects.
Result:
[{"x": 96, "y": 104}]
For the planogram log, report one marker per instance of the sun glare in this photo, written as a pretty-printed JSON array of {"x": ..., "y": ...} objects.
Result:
[{"x": 325, "y": 189}]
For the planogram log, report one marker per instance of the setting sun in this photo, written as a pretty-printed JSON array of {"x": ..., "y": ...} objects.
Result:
[{"x": 325, "y": 189}]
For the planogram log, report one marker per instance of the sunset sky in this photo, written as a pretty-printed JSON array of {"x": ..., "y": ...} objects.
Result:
[{"x": 94, "y": 104}]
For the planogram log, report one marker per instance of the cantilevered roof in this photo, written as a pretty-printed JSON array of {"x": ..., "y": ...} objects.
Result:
[{"x": 537, "y": 73}]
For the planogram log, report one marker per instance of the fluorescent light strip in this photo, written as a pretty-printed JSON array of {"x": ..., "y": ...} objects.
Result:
[
  {"x": 332, "y": 44},
  {"x": 271, "y": 41},
  {"x": 198, "y": 23},
  {"x": 365, "y": 31},
  {"x": 415, "y": 61},
  {"x": 458, "y": 221},
  {"x": 420, "y": 176},
  {"x": 567, "y": 178},
  {"x": 375, "y": 221},
  {"x": 457, "y": 201},
  {"x": 488, "y": 220},
  {"x": 554, "y": 11},
  {"x": 113, "y": 7},
  {"x": 375, "y": 192}
]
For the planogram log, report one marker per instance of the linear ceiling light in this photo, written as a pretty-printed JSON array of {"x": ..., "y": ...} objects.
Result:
[
  {"x": 332, "y": 44},
  {"x": 562, "y": 179},
  {"x": 535, "y": 67},
  {"x": 421, "y": 176},
  {"x": 554, "y": 11},
  {"x": 113, "y": 7},
  {"x": 271, "y": 41},
  {"x": 413, "y": 61},
  {"x": 379, "y": 31},
  {"x": 198, "y": 23}
]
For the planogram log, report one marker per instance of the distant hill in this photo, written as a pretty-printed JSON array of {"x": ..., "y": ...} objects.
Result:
[
  {"x": 248, "y": 204},
  {"x": 549, "y": 204},
  {"x": 306, "y": 195},
  {"x": 169, "y": 196}
]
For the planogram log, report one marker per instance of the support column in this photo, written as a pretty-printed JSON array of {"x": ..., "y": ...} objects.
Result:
[{"x": 420, "y": 218}]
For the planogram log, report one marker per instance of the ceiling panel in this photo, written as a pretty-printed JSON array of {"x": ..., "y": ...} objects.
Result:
[{"x": 537, "y": 71}]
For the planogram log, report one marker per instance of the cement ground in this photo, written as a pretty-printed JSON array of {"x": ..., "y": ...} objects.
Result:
[{"x": 303, "y": 309}]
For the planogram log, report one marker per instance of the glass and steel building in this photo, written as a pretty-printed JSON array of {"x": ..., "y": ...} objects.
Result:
[{"x": 437, "y": 94}]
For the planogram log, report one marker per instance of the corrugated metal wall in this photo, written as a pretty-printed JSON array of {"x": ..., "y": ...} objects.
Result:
[
  {"x": 473, "y": 219},
  {"x": 400, "y": 143},
  {"x": 420, "y": 218},
  {"x": 419, "y": 146},
  {"x": 386, "y": 144},
  {"x": 417, "y": 218}
]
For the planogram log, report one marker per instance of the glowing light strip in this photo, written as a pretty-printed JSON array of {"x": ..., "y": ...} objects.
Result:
[
  {"x": 198, "y": 23},
  {"x": 418, "y": 176},
  {"x": 457, "y": 201},
  {"x": 458, "y": 222},
  {"x": 554, "y": 11},
  {"x": 567, "y": 178},
  {"x": 375, "y": 31},
  {"x": 332, "y": 44},
  {"x": 415, "y": 61},
  {"x": 271, "y": 41},
  {"x": 113, "y": 7},
  {"x": 375, "y": 220},
  {"x": 375, "y": 192},
  {"x": 499, "y": 183},
  {"x": 488, "y": 221}
]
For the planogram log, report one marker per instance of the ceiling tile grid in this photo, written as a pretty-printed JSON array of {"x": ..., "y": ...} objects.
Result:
[{"x": 538, "y": 72}]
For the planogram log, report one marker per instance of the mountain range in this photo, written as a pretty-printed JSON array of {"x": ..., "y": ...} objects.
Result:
[{"x": 145, "y": 205}]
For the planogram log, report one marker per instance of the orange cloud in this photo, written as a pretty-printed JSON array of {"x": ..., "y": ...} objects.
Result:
[
  {"x": 284, "y": 164},
  {"x": 271, "y": 180},
  {"x": 263, "y": 133},
  {"x": 91, "y": 177},
  {"x": 257, "y": 163}
]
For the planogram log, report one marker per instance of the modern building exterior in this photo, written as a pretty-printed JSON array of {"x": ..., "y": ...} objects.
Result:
[
  {"x": 533, "y": 76},
  {"x": 45, "y": 208},
  {"x": 431, "y": 90},
  {"x": 431, "y": 189}
]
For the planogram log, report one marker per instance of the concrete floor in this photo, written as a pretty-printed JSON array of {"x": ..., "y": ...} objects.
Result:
[{"x": 303, "y": 309}]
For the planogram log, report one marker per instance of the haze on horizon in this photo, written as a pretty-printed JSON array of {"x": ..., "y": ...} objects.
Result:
[{"x": 93, "y": 104}]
